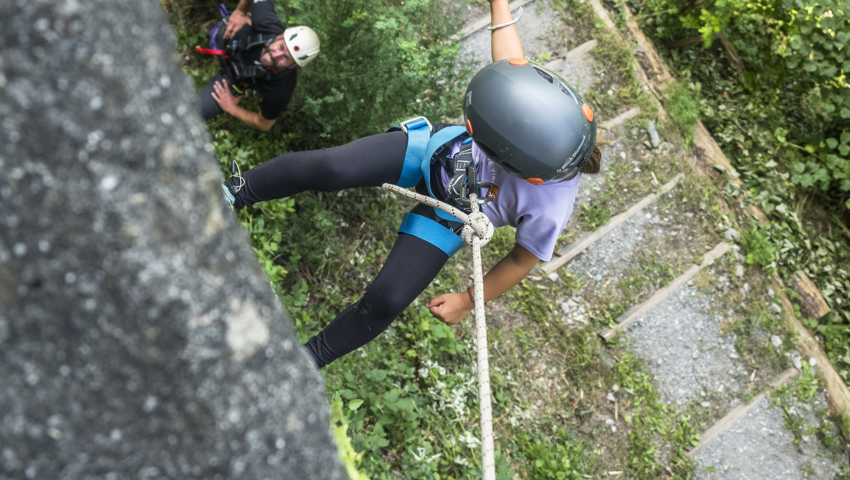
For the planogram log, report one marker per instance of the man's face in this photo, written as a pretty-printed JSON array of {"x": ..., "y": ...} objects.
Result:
[{"x": 276, "y": 55}]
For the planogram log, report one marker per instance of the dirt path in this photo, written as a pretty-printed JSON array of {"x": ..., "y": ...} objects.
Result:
[{"x": 713, "y": 347}]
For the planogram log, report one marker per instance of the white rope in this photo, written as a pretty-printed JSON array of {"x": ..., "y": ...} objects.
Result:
[{"x": 477, "y": 232}]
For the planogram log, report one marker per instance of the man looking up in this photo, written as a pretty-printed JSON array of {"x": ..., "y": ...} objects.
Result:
[{"x": 256, "y": 53}]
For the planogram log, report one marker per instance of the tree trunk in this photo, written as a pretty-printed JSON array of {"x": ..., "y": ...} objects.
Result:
[{"x": 138, "y": 336}]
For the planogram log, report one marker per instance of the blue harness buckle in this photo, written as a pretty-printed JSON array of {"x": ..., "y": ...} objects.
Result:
[{"x": 414, "y": 123}]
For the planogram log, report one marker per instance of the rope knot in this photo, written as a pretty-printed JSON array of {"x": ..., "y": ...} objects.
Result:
[{"x": 478, "y": 225}]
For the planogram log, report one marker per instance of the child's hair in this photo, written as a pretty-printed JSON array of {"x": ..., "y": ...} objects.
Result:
[{"x": 594, "y": 163}]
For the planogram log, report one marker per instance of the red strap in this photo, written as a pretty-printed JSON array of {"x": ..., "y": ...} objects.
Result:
[{"x": 209, "y": 51}]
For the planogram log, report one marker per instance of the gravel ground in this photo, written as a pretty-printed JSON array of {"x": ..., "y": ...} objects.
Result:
[
  {"x": 578, "y": 72},
  {"x": 539, "y": 30},
  {"x": 759, "y": 446},
  {"x": 612, "y": 254},
  {"x": 687, "y": 353}
]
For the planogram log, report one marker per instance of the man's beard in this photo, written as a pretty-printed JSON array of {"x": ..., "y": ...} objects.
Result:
[{"x": 263, "y": 53}]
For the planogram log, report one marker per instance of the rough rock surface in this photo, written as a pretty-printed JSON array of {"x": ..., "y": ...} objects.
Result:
[{"x": 138, "y": 336}]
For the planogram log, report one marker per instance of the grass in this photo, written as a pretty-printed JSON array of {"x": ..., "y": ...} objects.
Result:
[
  {"x": 758, "y": 249},
  {"x": 682, "y": 105},
  {"x": 592, "y": 217},
  {"x": 807, "y": 417}
]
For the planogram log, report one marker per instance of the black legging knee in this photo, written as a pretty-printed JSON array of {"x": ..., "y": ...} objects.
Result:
[{"x": 411, "y": 266}]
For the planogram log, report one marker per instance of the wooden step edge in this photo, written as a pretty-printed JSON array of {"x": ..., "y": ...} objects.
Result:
[
  {"x": 621, "y": 118},
  {"x": 809, "y": 346},
  {"x": 635, "y": 312},
  {"x": 738, "y": 412},
  {"x": 571, "y": 251}
]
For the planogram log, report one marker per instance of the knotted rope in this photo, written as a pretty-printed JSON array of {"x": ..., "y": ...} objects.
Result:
[{"x": 477, "y": 231}]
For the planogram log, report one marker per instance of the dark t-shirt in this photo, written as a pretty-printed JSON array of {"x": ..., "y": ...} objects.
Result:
[{"x": 277, "y": 90}]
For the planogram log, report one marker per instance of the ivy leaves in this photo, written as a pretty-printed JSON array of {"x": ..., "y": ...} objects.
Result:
[{"x": 817, "y": 36}]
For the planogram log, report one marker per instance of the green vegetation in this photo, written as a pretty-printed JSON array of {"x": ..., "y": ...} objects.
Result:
[
  {"x": 651, "y": 417},
  {"x": 782, "y": 116},
  {"x": 548, "y": 464},
  {"x": 805, "y": 419},
  {"x": 758, "y": 249},
  {"x": 807, "y": 384},
  {"x": 682, "y": 104},
  {"x": 593, "y": 216}
]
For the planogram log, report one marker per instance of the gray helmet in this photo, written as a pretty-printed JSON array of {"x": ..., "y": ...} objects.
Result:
[{"x": 529, "y": 120}]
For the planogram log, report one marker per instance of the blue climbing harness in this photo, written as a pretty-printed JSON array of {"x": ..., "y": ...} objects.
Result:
[{"x": 421, "y": 147}]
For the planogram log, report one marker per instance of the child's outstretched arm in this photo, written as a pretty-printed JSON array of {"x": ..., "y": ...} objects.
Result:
[
  {"x": 504, "y": 41},
  {"x": 450, "y": 308}
]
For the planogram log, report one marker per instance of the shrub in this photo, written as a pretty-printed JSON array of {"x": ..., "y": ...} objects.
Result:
[
  {"x": 758, "y": 248},
  {"x": 683, "y": 106},
  {"x": 380, "y": 63}
]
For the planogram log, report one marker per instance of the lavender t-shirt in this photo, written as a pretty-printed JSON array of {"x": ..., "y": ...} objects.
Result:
[{"x": 539, "y": 212}]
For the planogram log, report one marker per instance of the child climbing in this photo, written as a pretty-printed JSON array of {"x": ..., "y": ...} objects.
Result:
[{"x": 527, "y": 138}]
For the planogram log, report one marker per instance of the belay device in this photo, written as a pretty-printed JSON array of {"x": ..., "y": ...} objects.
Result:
[{"x": 233, "y": 64}]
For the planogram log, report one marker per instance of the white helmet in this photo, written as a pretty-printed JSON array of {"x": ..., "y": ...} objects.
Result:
[{"x": 303, "y": 44}]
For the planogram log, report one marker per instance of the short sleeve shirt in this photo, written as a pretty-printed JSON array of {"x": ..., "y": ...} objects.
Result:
[
  {"x": 278, "y": 89},
  {"x": 538, "y": 212}
]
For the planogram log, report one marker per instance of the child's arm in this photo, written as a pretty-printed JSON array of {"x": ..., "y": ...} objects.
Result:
[
  {"x": 504, "y": 42},
  {"x": 452, "y": 307}
]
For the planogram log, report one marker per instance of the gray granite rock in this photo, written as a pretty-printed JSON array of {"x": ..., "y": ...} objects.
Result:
[{"x": 138, "y": 336}]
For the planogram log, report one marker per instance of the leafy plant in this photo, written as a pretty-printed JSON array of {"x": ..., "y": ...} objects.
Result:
[
  {"x": 757, "y": 247},
  {"x": 559, "y": 463},
  {"x": 383, "y": 62},
  {"x": 784, "y": 124},
  {"x": 807, "y": 384},
  {"x": 339, "y": 421}
]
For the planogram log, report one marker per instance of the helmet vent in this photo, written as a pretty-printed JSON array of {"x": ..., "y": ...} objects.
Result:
[
  {"x": 569, "y": 92},
  {"x": 507, "y": 166},
  {"x": 544, "y": 74},
  {"x": 490, "y": 153}
]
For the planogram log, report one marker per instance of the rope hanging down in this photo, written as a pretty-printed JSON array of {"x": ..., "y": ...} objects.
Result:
[{"x": 477, "y": 231}]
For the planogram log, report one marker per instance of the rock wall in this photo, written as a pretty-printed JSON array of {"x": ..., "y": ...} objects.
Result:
[{"x": 139, "y": 339}]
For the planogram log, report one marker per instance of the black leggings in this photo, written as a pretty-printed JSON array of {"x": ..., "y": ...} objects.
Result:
[{"x": 411, "y": 265}]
